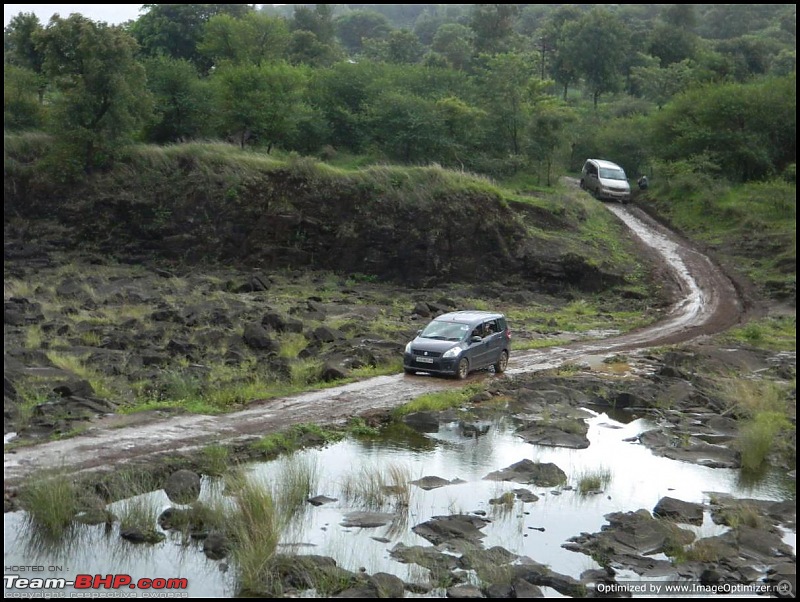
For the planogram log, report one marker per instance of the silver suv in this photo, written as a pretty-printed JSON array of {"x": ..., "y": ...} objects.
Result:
[
  {"x": 605, "y": 180},
  {"x": 458, "y": 343}
]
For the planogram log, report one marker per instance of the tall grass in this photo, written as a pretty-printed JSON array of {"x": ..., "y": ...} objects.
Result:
[
  {"x": 759, "y": 437},
  {"x": 378, "y": 488},
  {"x": 254, "y": 526},
  {"x": 297, "y": 478},
  {"x": 595, "y": 480},
  {"x": 51, "y": 501}
]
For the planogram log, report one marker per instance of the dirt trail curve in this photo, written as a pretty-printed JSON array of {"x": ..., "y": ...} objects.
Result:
[{"x": 708, "y": 303}]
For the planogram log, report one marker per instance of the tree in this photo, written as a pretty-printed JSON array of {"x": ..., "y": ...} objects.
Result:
[
  {"x": 406, "y": 127},
  {"x": 181, "y": 101},
  {"x": 597, "y": 46},
  {"x": 318, "y": 21},
  {"x": 400, "y": 47},
  {"x": 101, "y": 100},
  {"x": 672, "y": 39},
  {"x": 659, "y": 84},
  {"x": 22, "y": 109},
  {"x": 254, "y": 38},
  {"x": 353, "y": 28},
  {"x": 259, "y": 103},
  {"x": 493, "y": 25},
  {"x": 548, "y": 118},
  {"x": 748, "y": 131},
  {"x": 20, "y": 42},
  {"x": 175, "y": 30},
  {"x": 21, "y": 49},
  {"x": 506, "y": 79},
  {"x": 455, "y": 43},
  {"x": 554, "y": 40}
]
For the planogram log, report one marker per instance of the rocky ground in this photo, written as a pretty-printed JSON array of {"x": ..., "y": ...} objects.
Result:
[{"x": 87, "y": 340}]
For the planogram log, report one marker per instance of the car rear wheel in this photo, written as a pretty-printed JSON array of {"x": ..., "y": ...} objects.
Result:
[
  {"x": 502, "y": 363},
  {"x": 463, "y": 369}
]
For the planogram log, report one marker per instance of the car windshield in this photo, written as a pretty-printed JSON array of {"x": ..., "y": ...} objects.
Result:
[
  {"x": 612, "y": 173},
  {"x": 445, "y": 331}
]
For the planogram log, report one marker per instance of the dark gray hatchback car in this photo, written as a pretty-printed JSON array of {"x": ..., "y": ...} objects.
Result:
[{"x": 460, "y": 342}]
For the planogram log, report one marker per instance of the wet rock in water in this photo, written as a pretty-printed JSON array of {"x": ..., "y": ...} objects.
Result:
[
  {"x": 524, "y": 589},
  {"x": 534, "y": 573},
  {"x": 571, "y": 434},
  {"x": 367, "y": 520},
  {"x": 387, "y": 585},
  {"x": 136, "y": 535},
  {"x": 680, "y": 447},
  {"x": 679, "y": 511},
  {"x": 493, "y": 558},
  {"x": 216, "y": 546},
  {"x": 319, "y": 500},
  {"x": 783, "y": 578},
  {"x": 431, "y": 482},
  {"x": 309, "y": 571},
  {"x": 629, "y": 536},
  {"x": 526, "y": 495},
  {"x": 430, "y": 558},
  {"x": 441, "y": 529},
  {"x": 464, "y": 591},
  {"x": 425, "y": 422},
  {"x": 543, "y": 474},
  {"x": 182, "y": 486}
]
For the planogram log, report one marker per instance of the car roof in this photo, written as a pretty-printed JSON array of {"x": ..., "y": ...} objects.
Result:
[
  {"x": 469, "y": 316},
  {"x": 604, "y": 163}
]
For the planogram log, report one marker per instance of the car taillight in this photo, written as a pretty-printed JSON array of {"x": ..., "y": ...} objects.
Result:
[{"x": 508, "y": 333}]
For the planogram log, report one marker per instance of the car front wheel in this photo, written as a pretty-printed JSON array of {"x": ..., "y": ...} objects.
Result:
[
  {"x": 463, "y": 369},
  {"x": 502, "y": 363}
]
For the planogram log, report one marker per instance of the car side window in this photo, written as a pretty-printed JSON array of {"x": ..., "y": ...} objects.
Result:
[{"x": 490, "y": 328}]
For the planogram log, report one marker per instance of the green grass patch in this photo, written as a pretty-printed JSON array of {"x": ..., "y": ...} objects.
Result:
[
  {"x": 753, "y": 224},
  {"x": 761, "y": 436},
  {"x": 594, "y": 480},
  {"x": 255, "y": 531},
  {"x": 102, "y": 385},
  {"x": 377, "y": 488},
  {"x": 437, "y": 401},
  {"x": 51, "y": 500},
  {"x": 774, "y": 333},
  {"x": 296, "y": 437}
]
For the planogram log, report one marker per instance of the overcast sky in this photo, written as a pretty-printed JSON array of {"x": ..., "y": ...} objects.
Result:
[{"x": 112, "y": 14}]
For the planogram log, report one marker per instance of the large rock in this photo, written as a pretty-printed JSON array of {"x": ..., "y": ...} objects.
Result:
[
  {"x": 460, "y": 527},
  {"x": 679, "y": 511},
  {"x": 529, "y": 472},
  {"x": 183, "y": 486}
]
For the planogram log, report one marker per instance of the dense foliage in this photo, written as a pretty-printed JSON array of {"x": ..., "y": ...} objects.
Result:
[{"x": 491, "y": 88}]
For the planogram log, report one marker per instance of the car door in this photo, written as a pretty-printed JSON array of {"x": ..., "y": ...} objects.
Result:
[
  {"x": 492, "y": 342},
  {"x": 476, "y": 351}
]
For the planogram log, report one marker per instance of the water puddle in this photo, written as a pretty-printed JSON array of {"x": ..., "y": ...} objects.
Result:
[{"x": 634, "y": 477}]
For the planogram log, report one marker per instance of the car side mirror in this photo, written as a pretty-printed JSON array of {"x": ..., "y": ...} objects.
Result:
[
  {"x": 419, "y": 332},
  {"x": 475, "y": 339}
]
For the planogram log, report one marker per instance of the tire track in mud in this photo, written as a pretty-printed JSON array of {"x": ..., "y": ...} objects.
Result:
[{"x": 708, "y": 303}]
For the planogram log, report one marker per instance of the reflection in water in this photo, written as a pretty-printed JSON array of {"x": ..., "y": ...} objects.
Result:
[{"x": 636, "y": 479}]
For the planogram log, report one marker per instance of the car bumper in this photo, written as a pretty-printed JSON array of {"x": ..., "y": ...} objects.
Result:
[
  {"x": 437, "y": 365},
  {"x": 614, "y": 195}
]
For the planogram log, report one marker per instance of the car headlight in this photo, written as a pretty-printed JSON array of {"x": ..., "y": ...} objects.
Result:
[
  {"x": 408, "y": 347},
  {"x": 452, "y": 352}
]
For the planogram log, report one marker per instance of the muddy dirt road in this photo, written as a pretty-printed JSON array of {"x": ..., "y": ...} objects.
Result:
[{"x": 707, "y": 302}]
